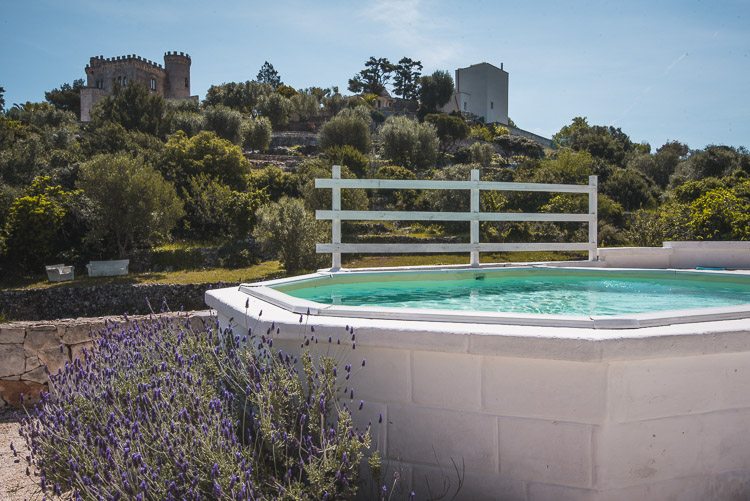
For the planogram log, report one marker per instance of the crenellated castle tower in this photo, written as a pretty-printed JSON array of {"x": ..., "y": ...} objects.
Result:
[{"x": 172, "y": 81}]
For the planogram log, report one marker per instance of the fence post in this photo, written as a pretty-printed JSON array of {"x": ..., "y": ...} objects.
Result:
[
  {"x": 336, "y": 223},
  {"x": 475, "y": 218},
  {"x": 593, "y": 210}
]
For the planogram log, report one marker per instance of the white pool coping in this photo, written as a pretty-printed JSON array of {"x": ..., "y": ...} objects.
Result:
[{"x": 265, "y": 292}]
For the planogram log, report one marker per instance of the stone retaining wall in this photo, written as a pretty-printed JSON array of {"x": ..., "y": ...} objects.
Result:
[
  {"x": 100, "y": 300},
  {"x": 31, "y": 350}
]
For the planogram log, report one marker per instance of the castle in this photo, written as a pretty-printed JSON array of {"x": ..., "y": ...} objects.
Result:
[
  {"x": 481, "y": 90},
  {"x": 170, "y": 81}
]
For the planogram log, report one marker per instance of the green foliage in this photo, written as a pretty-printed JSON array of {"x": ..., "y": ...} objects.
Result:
[
  {"x": 409, "y": 143},
  {"x": 315, "y": 199},
  {"x": 449, "y": 128},
  {"x": 268, "y": 75},
  {"x": 257, "y": 134},
  {"x": 41, "y": 115},
  {"x": 189, "y": 123},
  {"x": 630, "y": 188},
  {"x": 243, "y": 97},
  {"x": 346, "y": 128},
  {"x": 435, "y": 91},
  {"x": 350, "y": 157},
  {"x": 607, "y": 143},
  {"x": 396, "y": 199},
  {"x": 373, "y": 78},
  {"x": 304, "y": 106},
  {"x": 2, "y": 99},
  {"x": 274, "y": 181},
  {"x": 714, "y": 161},
  {"x": 286, "y": 91},
  {"x": 207, "y": 154},
  {"x": 406, "y": 79},
  {"x": 518, "y": 145},
  {"x": 217, "y": 213},
  {"x": 285, "y": 228},
  {"x": 276, "y": 108},
  {"x": 135, "y": 206},
  {"x": 563, "y": 137},
  {"x": 134, "y": 108},
  {"x": 224, "y": 122},
  {"x": 487, "y": 132},
  {"x": 33, "y": 231},
  {"x": 67, "y": 97},
  {"x": 482, "y": 153},
  {"x": 721, "y": 215}
]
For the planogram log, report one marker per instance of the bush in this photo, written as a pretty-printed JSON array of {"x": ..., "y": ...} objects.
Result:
[
  {"x": 257, "y": 134},
  {"x": 350, "y": 157},
  {"x": 159, "y": 410},
  {"x": 409, "y": 143},
  {"x": 345, "y": 129},
  {"x": 287, "y": 230},
  {"x": 224, "y": 122},
  {"x": 276, "y": 108}
]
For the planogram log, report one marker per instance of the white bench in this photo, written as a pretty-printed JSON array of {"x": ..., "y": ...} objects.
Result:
[
  {"x": 108, "y": 268},
  {"x": 59, "y": 272}
]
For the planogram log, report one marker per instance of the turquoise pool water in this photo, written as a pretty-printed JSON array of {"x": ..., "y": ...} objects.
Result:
[{"x": 537, "y": 292}]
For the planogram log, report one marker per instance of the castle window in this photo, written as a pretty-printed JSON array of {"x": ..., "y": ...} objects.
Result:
[
  {"x": 492, "y": 105},
  {"x": 465, "y": 103},
  {"x": 124, "y": 80},
  {"x": 153, "y": 84},
  {"x": 119, "y": 80},
  {"x": 187, "y": 84}
]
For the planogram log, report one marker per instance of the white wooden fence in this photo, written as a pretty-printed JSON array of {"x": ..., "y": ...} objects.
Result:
[{"x": 474, "y": 185}]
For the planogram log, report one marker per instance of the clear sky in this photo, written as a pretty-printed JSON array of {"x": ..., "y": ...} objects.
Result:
[{"x": 660, "y": 70}]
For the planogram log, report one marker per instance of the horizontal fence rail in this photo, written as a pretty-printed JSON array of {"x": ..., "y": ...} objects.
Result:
[{"x": 473, "y": 216}]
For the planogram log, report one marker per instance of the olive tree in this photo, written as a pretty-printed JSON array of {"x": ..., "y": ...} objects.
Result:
[
  {"x": 134, "y": 205},
  {"x": 409, "y": 143}
]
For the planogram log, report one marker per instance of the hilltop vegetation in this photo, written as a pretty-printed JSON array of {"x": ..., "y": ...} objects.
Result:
[{"x": 146, "y": 171}]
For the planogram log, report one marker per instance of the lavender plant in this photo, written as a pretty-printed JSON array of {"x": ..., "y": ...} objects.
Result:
[{"x": 160, "y": 410}]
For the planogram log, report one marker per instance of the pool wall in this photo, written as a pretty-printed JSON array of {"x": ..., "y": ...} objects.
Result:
[
  {"x": 536, "y": 413},
  {"x": 685, "y": 255}
]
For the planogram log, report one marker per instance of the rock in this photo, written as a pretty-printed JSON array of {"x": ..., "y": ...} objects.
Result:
[
  {"x": 12, "y": 360},
  {"x": 76, "y": 351},
  {"x": 11, "y": 392},
  {"x": 53, "y": 359},
  {"x": 41, "y": 337},
  {"x": 77, "y": 333},
  {"x": 38, "y": 375},
  {"x": 32, "y": 363},
  {"x": 12, "y": 335}
]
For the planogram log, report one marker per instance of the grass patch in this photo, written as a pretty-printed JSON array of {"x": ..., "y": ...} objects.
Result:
[
  {"x": 262, "y": 271},
  {"x": 375, "y": 261}
]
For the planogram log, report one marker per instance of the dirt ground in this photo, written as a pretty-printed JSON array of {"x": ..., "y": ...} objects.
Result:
[{"x": 14, "y": 484}]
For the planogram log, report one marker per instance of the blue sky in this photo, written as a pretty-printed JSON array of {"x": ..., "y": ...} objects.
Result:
[{"x": 660, "y": 70}]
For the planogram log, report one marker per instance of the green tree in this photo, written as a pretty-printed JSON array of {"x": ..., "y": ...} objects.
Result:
[
  {"x": 350, "y": 157},
  {"x": 345, "y": 128},
  {"x": 243, "y": 97},
  {"x": 67, "y": 97},
  {"x": 721, "y": 215},
  {"x": 134, "y": 108},
  {"x": 257, "y": 134},
  {"x": 188, "y": 122},
  {"x": 35, "y": 222},
  {"x": 713, "y": 161},
  {"x": 519, "y": 145},
  {"x": 608, "y": 143},
  {"x": 275, "y": 107},
  {"x": 449, "y": 128},
  {"x": 630, "y": 188},
  {"x": 406, "y": 78},
  {"x": 372, "y": 79},
  {"x": 409, "y": 143},
  {"x": 304, "y": 106},
  {"x": 269, "y": 75},
  {"x": 2, "y": 99},
  {"x": 135, "y": 206},
  {"x": 435, "y": 91},
  {"x": 224, "y": 122},
  {"x": 285, "y": 228},
  {"x": 274, "y": 182},
  {"x": 205, "y": 154},
  {"x": 563, "y": 137}
]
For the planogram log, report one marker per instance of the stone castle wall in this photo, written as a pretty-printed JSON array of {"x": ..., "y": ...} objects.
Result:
[{"x": 29, "y": 351}]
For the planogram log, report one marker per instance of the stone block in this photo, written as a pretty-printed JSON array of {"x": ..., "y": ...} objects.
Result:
[
  {"x": 650, "y": 389},
  {"x": 545, "y": 451},
  {"x": 12, "y": 335},
  {"x": 11, "y": 392},
  {"x": 545, "y": 389},
  {"x": 38, "y": 375},
  {"x": 41, "y": 337},
  {"x": 655, "y": 450},
  {"x": 53, "y": 359},
  {"x": 77, "y": 333},
  {"x": 445, "y": 480},
  {"x": 76, "y": 350},
  {"x": 32, "y": 363},
  {"x": 427, "y": 436},
  {"x": 447, "y": 380},
  {"x": 385, "y": 377},
  {"x": 12, "y": 360}
]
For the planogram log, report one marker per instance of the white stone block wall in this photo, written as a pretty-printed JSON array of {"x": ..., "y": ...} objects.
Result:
[{"x": 537, "y": 413}]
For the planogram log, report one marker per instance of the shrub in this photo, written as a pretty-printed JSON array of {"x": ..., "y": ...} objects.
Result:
[
  {"x": 409, "y": 143},
  {"x": 257, "y": 134},
  {"x": 350, "y": 157},
  {"x": 224, "y": 122},
  {"x": 286, "y": 229},
  {"x": 159, "y": 410},
  {"x": 345, "y": 129}
]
